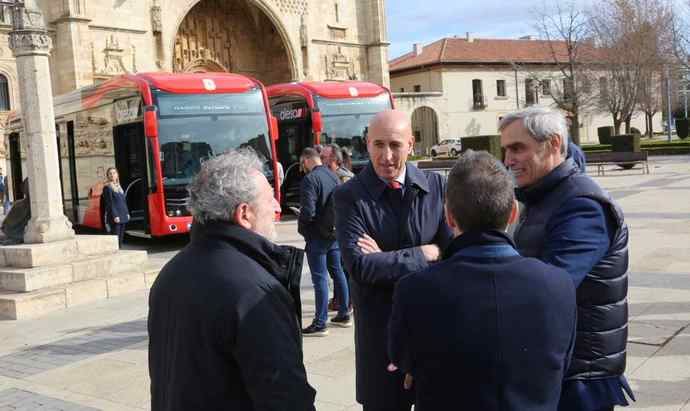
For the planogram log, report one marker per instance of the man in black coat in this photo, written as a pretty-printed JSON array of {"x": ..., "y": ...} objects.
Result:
[
  {"x": 389, "y": 223},
  {"x": 485, "y": 329},
  {"x": 224, "y": 326}
]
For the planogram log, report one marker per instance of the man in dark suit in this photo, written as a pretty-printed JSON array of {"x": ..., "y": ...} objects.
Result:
[
  {"x": 389, "y": 223},
  {"x": 485, "y": 329}
]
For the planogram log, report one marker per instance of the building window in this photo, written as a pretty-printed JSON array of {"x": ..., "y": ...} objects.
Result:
[
  {"x": 417, "y": 88},
  {"x": 586, "y": 86},
  {"x": 501, "y": 88},
  {"x": 546, "y": 87},
  {"x": 4, "y": 94},
  {"x": 531, "y": 92},
  {"x": 603, "y": 90},
  {"x": 337, "y": 13},
  {"x": 568, "y": 89},
  {"x": 402, "y": 89},
  {"x": 477, "y": 95}
]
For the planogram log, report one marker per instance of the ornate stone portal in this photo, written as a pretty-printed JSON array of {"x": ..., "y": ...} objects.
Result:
[{"x": 234, "y": 36}]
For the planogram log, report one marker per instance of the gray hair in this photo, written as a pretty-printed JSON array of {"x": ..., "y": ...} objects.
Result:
[
  {"x": 223, "y": 183},
  {"x": 335, "y": 153},
  {"x": 480, "y": 192},
  {"x": 541, "y": 123}
]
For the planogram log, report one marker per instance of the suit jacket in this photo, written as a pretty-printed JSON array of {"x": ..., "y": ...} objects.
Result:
[
  {"x": 485, "y": 328},
  {"x": 363, "y": 207}
]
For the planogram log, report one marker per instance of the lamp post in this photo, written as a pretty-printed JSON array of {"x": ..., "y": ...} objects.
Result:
[{"x": 30, "y": 44}]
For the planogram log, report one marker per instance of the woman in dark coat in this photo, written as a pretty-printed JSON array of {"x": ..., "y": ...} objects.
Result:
[{"x": 115, "y": 205}]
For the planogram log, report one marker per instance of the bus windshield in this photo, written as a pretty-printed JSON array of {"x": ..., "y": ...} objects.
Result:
[
  {"x": 345, "y": 121},
  {"x": 196, "y": 127}
]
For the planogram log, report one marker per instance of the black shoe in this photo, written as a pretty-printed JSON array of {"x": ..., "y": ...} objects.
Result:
[
  {"x": 344, "y": 321},
  {"x": 315, "y": 331}
]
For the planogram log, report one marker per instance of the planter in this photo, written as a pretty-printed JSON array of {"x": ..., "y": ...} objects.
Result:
[
  {"x": 492, "y": 144},
  {"x": 625, "y": 142},
  {"x": 682, "y": 128},
  {"x": 605, "y": 134}
]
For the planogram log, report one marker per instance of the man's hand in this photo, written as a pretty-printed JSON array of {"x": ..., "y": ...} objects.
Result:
[
  {"x": 368, "y": 245},
  {"x": 409, "y": 379},
  {"x": 431, "y": 252}
]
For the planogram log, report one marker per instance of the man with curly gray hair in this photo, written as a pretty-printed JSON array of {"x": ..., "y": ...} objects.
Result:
[{"x": 224, "y": 313}]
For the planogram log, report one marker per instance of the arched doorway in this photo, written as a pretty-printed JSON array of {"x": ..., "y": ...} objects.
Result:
[
  {"x": 425, "y": 129},
  {"x": 234, "y": 36}
]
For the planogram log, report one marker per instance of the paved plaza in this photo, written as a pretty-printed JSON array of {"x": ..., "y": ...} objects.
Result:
[{"x": 94, "y": 356}]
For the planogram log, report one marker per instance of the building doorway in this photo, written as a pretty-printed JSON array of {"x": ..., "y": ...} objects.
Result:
[
  {"x": 425, "y": 129},
  {"x": 231, "y": 36}
]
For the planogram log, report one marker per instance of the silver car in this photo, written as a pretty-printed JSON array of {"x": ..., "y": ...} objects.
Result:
[{"x": 450, "y": 147}]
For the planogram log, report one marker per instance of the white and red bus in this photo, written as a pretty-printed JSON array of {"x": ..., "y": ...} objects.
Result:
[
  {"x": 312, "y": 113},
  {"x": 157, "y": 129}
]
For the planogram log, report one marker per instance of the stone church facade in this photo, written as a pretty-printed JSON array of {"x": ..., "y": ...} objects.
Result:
[{"x": 271, "y": 40}]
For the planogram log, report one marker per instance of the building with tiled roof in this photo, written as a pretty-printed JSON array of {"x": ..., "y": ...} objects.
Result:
[{"x": 457, "y": 87}]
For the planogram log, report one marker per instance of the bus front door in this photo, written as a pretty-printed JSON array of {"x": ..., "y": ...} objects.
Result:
[{"x": 130, "y": 160}]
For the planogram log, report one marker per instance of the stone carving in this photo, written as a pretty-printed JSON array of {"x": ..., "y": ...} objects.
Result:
[
  {"x": 339, "y": 67},
  {"x": 113, "y": 59},
  {"x": 295, "y": 7},
  {"x": 205, "y": 38},
  {"x": 27, "y": 42},
  {"x": 156, "y": 18}
]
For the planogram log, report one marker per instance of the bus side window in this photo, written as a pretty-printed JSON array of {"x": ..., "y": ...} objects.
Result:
[{"x": 151, "y": 166}]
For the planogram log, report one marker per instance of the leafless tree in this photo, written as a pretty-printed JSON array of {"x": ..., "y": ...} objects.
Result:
[
  {"x": 630, "y": 35},
  {"x": 565, "y": 27},
  {"x": 680, "y": 41}
]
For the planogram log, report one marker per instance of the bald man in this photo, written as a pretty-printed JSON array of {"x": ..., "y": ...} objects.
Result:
[{"x": 389, "y": 222}]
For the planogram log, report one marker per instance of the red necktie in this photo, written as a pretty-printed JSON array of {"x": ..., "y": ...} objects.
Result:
[{"x": 395, "y": 185}]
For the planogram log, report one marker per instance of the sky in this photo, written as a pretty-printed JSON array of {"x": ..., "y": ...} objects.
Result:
[{"x": 409, "y": 22}]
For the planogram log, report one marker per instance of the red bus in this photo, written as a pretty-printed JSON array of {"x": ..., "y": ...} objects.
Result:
[
  {"x": 157, "y": 129},
  {"x": 312, "y": 113}
]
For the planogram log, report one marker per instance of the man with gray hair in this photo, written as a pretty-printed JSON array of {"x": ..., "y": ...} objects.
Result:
[
  {"x": 569, "y": 221},
  {"x": 224, "y": 313}
]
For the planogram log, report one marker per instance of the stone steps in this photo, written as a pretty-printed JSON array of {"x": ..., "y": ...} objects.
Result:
[
  {"x": 82, "y": 268},
  {"x": 25, "y": 305},
  {"x": 36, "y": 279}
]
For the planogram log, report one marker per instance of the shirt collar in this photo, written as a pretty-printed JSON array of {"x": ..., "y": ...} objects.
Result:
[
  {"x": 411, "y": 176},
  {"x": 400, "y": 179}
]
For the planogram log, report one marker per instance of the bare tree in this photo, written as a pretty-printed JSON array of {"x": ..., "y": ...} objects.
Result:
[
  {"x": 565, "y": 27},
  {"x": 630, "y": 34},
  {"x": 680, "y": 31}
]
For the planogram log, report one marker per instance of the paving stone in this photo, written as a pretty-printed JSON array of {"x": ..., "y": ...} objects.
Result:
[{"x": 20, "y": 400}]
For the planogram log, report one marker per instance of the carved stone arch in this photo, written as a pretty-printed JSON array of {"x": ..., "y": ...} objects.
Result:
[
  {"x": 267, "y": 9},
  {"x": 205, "y": 65}
]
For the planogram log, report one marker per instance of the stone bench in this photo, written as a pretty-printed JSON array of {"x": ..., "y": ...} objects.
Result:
[{"x": 624, "y": 159}]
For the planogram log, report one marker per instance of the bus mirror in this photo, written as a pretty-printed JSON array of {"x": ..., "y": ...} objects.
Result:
[
  {"x": 275, "y": 133},
  {"x": 316, "y": 121},
  {"x": 150, "y": 121}
]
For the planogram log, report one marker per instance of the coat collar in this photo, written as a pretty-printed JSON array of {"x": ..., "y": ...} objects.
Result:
[
  {"x": 537, "y": 191},
  {"x": 272, "y": 257},
  {"x": 477, "y": 238},
  {"x": 376, "y": 186}
]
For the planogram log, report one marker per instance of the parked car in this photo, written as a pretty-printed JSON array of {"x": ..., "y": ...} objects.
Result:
[{"x": 450, "y": 147}]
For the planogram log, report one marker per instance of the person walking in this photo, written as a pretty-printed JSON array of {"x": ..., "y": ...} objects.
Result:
[
  {"x": 571, "y": 222},
  {"x": 115, "y": 208},
  {"x": 389, "y": 223},
  {"x": 4, "y": 193},
  {"x": 485, "y": 327},
  {"x": 316, "y": 223},
  {"x": 224, "y": 313}
]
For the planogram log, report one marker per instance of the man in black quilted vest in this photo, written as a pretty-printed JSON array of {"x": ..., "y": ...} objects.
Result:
[{"x": 571, "y": 222}]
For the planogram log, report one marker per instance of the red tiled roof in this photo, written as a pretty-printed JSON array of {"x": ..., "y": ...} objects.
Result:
[{"x": 459, "y": 50}]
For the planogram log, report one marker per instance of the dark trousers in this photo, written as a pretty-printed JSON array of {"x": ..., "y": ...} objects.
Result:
[{"x": 119, "y": 231}]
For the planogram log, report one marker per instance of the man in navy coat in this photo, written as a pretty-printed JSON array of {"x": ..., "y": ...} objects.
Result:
[
  {"x": 389, "y": 223},
  {"x": 485, "y": 329}
]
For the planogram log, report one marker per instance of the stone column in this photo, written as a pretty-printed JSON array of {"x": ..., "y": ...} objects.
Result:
[
  {"x": 377, "y": 49},
  {"x": 31, "y": 45}
]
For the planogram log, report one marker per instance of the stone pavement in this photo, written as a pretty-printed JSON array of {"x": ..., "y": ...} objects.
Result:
[{"x": 94, "y": 357}]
